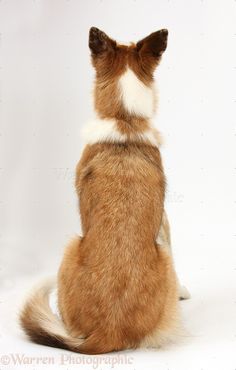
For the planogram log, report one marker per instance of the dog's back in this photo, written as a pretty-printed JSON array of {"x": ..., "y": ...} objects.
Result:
[
  {"x": 116, "y": 286},
  {"x": 123, "y": 279}
]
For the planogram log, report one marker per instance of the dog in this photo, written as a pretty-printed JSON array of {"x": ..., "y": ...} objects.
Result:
[{"x": 117, "y": 286}]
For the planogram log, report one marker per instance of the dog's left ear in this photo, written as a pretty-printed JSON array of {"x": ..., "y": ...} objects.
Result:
[
  {"x": 154, "y": 44},
  {"x": 99, "y": 42}
]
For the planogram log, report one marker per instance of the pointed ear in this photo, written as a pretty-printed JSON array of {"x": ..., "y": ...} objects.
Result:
[
  {"x": 154, "y": 44},
  {"x": 99, "y": 42}
]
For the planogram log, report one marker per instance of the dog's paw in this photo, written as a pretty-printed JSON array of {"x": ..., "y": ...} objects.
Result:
[{"x": 184, "y": 293}]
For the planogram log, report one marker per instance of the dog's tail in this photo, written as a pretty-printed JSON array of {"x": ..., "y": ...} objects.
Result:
[{"x": 42, "y": 326}]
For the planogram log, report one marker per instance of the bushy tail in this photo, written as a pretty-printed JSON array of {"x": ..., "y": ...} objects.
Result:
[{"x": 44, "y": 327}]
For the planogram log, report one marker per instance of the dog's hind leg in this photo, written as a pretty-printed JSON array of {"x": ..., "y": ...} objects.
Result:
[{"x": 164, "y": 240}]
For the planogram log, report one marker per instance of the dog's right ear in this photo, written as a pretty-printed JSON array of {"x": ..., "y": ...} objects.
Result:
[{"x": 99, "y": 42}]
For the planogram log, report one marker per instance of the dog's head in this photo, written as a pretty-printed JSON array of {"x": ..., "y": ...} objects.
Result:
[{"x": 124, "y": 74}]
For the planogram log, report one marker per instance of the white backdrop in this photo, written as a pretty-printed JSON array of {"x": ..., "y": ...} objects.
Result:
[{"x": 45, "y": 98}]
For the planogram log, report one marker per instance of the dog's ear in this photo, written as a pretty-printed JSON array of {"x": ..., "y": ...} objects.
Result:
[
  {"x": 154, "y": 44},
  {"x": 99, "y": 42}
]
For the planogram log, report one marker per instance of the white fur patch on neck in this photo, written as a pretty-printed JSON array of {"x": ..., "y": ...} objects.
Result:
[
  {"x": 102, "y": 130},
  {"x": 105, "y": 130},
  {"x": 136, "y": 96}
]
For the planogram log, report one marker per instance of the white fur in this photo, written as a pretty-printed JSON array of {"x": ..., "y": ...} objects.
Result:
[
  {"x": 102, "y": 130},
  {"x": 38, "y": 300},
  {"x": 42, "y": 315},
  {"x": 183, "y": 292},
  {"x": 137, "y": 98},
  {"x": 105, "y": 130},
  {"x": 149, "y": 136}
]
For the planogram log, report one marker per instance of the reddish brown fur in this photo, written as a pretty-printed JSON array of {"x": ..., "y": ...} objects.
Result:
[
  {"x": 121, "y": 216},
  {"x": 141, "y": 61},
  {"x": 116, "y": 287}
]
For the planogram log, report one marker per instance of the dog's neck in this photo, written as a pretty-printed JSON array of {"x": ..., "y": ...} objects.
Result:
[
  {"x": 137, "y": 98},
  {"x": 124, "y": 113},
  {"x": 107, "y": 130}
]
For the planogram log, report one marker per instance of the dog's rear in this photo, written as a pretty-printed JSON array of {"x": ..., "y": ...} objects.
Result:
[{"x": 116, "y": 287}]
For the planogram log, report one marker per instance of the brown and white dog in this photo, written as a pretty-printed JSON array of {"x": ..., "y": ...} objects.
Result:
[{"x": 117, "y": 286}]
